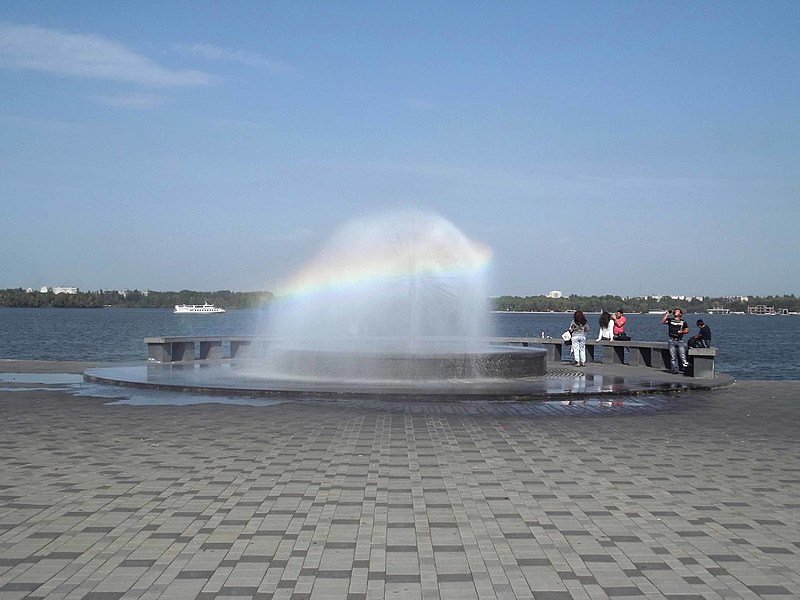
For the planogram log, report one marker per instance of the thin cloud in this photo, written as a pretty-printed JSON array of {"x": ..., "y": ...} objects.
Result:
[
  {"x": 297, "y": 235},
  {"x": 47, "y": 125},
  {"x": 133, "y": 101},
  {"x": 236, "y": 123},
  {"x": 419, "y": 104},
  {"x": 81, "y": 55},
  {"x": 250, "y": 59}
]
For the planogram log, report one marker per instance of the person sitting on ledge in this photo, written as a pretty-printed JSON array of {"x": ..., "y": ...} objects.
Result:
[
  {"x": 606, "y": 327},
  {"x": 619, "y": 326},
  {"x": 702, "y": 339}
]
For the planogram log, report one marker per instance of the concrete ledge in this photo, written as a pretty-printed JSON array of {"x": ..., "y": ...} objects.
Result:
[
  {"x": 634, "y": 353},
  {"x": 703, "y": 362}
]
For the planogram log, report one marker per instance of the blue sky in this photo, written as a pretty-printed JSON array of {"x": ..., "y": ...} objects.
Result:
[{"x": 596, "y": 147}]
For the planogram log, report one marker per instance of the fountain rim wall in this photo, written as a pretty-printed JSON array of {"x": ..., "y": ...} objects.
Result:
[{"x": 418, "y": 364}]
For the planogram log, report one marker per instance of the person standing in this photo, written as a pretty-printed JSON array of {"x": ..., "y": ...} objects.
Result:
[
  {"x": 606, "y": 327},
  {"x": 619, "y": 324},
  {"x": 578, "y": 329},
  {"x": 677, "y": 329},
  {"x": 702, "y": 339}
]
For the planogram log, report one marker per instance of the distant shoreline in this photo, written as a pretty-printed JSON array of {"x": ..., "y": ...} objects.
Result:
[{"x": 654, "y": 313}]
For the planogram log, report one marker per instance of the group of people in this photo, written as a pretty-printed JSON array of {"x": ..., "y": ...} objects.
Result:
[{"x": 612, "y": 327}]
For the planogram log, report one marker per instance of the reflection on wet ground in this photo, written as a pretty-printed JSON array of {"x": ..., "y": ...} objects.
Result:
[
  {"x": 147, "y": 397},
  {"x": 227, "y": 380},
  {"x": 561, "y": 404},
  {"x": 597, "y": 389},
  {"x": 44, "y": 378}
]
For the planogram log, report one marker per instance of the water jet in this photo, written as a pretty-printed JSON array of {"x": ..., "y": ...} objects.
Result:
[{"x": 399, "y": 297}]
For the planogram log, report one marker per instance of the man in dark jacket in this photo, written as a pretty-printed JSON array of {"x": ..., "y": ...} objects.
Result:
[{"x": 702, "y": 339}]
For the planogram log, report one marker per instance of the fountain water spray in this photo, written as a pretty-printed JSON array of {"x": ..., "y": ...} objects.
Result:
[
  {"x": 393, "y": 306},
  {"x": 399, "y": 296},
  {"x": 405, "y": 278}
]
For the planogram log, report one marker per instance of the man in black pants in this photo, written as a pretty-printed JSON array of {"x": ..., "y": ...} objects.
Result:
[{"x": 677, "y": 329}]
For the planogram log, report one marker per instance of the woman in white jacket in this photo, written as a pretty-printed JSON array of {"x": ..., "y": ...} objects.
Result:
[{"x": 606, "y": 327}]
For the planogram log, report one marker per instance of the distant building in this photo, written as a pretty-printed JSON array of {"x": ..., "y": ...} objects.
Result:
[
  {"x": 555, "y": 294},
  {"x": 44, "y": 289},
  {"x": 124, "y": 293},
  {"x": 64, "y": 290},
  {"x": 760, "y": 309}
]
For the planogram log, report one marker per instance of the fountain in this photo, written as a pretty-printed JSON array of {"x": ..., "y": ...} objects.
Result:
[
  {"x": 392, "y": 306},
  {"x": 398, "y": 298}
]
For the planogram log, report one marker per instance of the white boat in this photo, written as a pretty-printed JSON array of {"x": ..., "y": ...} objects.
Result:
[{"x": 205, "y": 308}]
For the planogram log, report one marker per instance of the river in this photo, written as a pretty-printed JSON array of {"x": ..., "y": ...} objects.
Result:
[{"x": 749, "y": 346}]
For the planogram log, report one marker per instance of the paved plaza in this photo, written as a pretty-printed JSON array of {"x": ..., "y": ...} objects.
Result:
[{"x": 685, "y": 497}]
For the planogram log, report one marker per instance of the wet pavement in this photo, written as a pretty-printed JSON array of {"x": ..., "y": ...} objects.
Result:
[
  {"x": 240, "y": 378},
  {"x": 679, "y": 496}
]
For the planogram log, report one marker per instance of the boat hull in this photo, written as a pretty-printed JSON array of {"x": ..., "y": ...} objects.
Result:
[{"x": 198, "y": 309}]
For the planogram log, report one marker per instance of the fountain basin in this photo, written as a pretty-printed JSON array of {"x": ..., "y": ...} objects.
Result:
[
  {"x": 426, "y": 364},
  {"x": 498, "y": 373}
]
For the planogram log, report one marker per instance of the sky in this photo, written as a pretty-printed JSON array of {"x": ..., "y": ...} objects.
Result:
[{"x": 625, "y": 148}]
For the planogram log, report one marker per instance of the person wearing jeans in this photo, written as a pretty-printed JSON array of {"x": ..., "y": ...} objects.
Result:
[
  {"x": 579, "y": 328},
  {"x": 677, "y": 329}
]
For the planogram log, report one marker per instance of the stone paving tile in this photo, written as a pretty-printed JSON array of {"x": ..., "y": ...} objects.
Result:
[{"x": 675, "y": 497}]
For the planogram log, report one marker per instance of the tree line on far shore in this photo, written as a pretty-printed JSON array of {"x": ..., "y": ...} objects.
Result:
[
  {"x": 639, "y": 305},
  {"x": 227, "y": 299},
  {"x": 132, "y": 299}
]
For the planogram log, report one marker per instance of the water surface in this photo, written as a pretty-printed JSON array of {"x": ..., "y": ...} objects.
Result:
[{"x": 748, "y": 346}]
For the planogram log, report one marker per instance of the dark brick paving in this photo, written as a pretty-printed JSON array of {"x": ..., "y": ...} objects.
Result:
[{"x": 683, "y": 497}]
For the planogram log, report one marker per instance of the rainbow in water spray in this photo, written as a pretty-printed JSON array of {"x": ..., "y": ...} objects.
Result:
[{"x": 410, "y": 248}]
